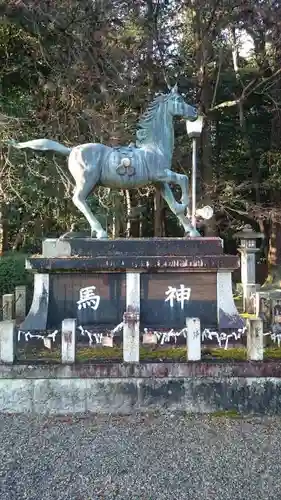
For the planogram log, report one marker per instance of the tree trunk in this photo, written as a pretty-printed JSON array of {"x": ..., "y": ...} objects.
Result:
[
  {"x": 2, "y": 235},
  {"x": 4, "y": 230},
  {"x": 203, "y": 44},
  {"x": 274, "y": 248},
  {"x": 158, "y": 214},
  {"x": 253, "y": 164},
  {"x": 128, "y": 211},
  {"x": 151, "y": 16},
  {"x": 274, "y": 256}
]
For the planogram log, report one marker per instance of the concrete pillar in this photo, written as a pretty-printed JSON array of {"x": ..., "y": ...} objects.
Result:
[
  {"x": 227, "y": 314},
  {"x": 7, "y": 341},
  {"x": 254, "y": 339},
  {"x": 131, "y": 319},
  {"x": 37, "y": 316},
  {"x": 193, "y": 339},
  {"x": 20, "y": 302},
  {"x": 8, "y": 306},
  {"x": 68, "y": 340}
]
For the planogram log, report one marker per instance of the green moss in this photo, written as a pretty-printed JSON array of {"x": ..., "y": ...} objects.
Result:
[{"x": 226, "y": 414}]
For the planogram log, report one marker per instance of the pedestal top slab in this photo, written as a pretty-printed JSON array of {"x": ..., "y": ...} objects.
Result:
[
  {"x": 133, "y": 247},
  {"x": 132, "y": 263}
]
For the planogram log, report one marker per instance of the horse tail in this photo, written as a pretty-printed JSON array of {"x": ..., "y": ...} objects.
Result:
[{"x": 42, "y": 145}]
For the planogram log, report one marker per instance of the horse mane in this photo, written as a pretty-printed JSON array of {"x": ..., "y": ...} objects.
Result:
[{"x": 144, "y": 123}]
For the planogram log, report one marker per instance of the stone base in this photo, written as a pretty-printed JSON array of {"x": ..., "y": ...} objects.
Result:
[
  {"x": 118, "y": 388},
  {"x": 86, "y": 279}
]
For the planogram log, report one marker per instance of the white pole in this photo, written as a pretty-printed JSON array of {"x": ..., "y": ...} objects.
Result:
[
  {"x": 131, "y": 328},
  {"x": 193, "y": 199}
]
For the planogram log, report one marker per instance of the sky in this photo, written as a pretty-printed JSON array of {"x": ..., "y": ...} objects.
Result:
[{"x": 246, "y": 44}]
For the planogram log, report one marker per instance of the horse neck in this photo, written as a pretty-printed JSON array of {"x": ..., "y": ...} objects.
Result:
[{"x": 162, "y": 133}]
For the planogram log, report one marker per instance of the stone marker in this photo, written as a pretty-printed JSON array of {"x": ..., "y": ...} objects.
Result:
[
  {"x": 255, "y": 339},
  {"x": 68, "y": 338},
  {"x": 193, "y": 339},
  {"x": 8, "y": 306},
  {"x": 20, "y": 302},
  {"x": 7, "y": 341}
]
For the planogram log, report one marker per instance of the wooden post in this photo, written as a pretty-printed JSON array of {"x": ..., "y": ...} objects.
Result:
[
  {"x": 68, "y": 340},
  {"x": 7, "y": 341},
  {"x": 254, "y": 339},
  {"x": 193, "y": 339},
  {"x": 131, "y": 319},
  {"x": 8, "y": 306},
  {"x": 20, "y": 302}
]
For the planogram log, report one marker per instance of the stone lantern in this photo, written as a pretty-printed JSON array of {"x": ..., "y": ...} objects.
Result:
[{"x": 248, "y": 249}]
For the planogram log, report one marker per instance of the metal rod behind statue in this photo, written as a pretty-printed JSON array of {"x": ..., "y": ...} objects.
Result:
[
  {"x": 194, "y": 130},
  {"x": 194, "y": 178}
]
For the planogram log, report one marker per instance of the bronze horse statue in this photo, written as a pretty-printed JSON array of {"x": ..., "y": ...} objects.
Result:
[{"x": 133, "y": 166}]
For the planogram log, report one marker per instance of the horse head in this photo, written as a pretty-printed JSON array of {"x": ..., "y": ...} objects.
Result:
[{"x": 178, "y": 107}]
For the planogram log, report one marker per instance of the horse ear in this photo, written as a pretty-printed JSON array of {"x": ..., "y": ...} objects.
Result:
[{"x": 174, "y": 89}]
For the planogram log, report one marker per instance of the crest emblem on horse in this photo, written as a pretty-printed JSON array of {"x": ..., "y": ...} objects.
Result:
[{"x": 126, "y": 160}]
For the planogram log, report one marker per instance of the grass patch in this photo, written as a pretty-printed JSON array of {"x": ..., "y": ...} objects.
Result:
[
  {"x": 43, "y": 354},
  {"x": 116, "y": 354},
  {"x": 248, "y": 316},
  {"x": 157, "y": 354},
  {"x": 272, "y": 353},
  {"x": 235, "y": 353},
  {"x": 99, "y": 353},
  {"x": 170, "y": 353}
]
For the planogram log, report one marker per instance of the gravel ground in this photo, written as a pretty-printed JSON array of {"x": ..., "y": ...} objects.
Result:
[{"x": 149, "y": 457}]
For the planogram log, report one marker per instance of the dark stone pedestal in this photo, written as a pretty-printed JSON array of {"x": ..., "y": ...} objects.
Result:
[{"x": 179, "y": 278}]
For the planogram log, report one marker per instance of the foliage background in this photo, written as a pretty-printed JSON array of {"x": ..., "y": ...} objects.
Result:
[{"x": 82, "y": 71}]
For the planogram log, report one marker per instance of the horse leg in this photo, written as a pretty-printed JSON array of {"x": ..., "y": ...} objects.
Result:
[
  {"x": 81, "y": 191},
  {"x": 182, "y": 181},
  {"x": 170, "y": 177},
  {"x": 176, "y": 208}
]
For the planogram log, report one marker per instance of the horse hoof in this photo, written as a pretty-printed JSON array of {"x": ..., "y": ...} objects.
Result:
[
  {"x": 180, "y": 208},
  {"x": 192, "y": 233},
  {"x": 101, "y": 235}
]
